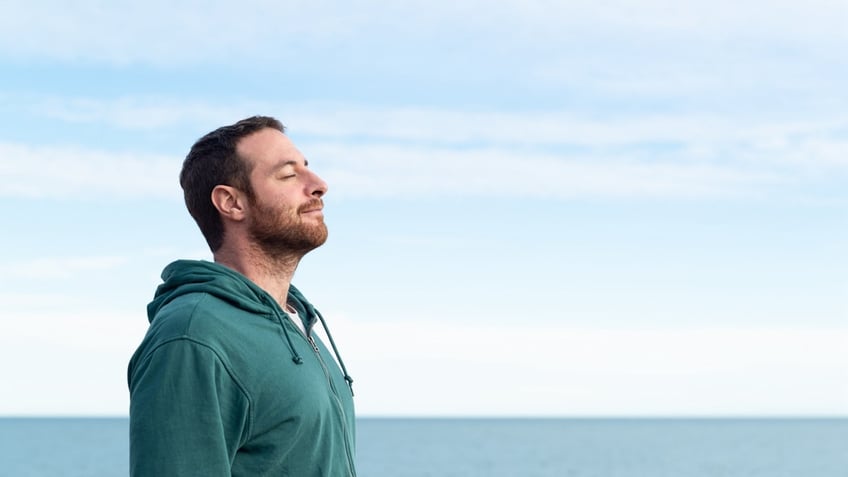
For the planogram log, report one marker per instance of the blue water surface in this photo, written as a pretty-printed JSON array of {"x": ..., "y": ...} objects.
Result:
[{"x": 392, "y": 447}]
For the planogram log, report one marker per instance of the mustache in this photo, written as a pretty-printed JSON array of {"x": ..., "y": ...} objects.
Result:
[{"x": 311, "y": 205}]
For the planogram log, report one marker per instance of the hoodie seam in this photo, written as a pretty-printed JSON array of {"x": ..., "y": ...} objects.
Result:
[
  {"x": 227, "y": 367},
  {"x": 225, "y": 363}
]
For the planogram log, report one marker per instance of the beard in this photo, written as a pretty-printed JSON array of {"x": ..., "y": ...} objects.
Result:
[{"x": 281, "y": 231}]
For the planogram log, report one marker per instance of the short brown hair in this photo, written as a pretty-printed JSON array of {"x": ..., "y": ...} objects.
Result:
[{"x": 213, "y": 161}]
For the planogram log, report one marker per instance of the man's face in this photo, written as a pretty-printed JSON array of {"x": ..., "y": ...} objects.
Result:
[{"x": 286, "y": 211}]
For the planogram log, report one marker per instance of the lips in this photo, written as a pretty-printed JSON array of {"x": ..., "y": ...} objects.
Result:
[{"x": 313, "y": 206}]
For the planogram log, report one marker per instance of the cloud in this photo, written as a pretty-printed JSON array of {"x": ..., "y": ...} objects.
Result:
[
  {"x": 422, "y": 367},
  {"x": 396, "y": 171},
  {"x": 499, "y": 369},
  {"x": 28, "y": 171},
  {"x": 134, "y": 114},
  {"x": 82, "y": 353},
  {"x": 389, "y": 152},
  {"x": 60, "y": 267},
  {"x": 812, "y": 140},
  {"x": 165, "y": 33},
  {"x": 391, "y": 171}
]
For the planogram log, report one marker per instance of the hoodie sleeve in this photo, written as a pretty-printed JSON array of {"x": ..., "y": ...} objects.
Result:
[{"x": 188, "y": 414}]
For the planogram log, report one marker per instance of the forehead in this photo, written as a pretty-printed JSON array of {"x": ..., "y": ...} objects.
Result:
[{"x": 266, "y": 148}]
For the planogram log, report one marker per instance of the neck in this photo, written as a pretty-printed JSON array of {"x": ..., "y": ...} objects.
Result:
[{"x": 271, "y": 272}]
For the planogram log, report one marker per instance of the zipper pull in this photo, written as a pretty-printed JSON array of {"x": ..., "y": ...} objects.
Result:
[{"x": 312, "y": 342}]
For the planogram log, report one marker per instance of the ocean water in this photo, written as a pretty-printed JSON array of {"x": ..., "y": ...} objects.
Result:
[{"x": 77, "y": 447}]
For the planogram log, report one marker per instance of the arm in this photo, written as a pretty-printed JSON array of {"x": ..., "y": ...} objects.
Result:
[{"x": 188, "y": 415}]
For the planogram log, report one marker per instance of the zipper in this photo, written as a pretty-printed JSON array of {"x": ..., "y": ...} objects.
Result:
[
  {"x": 314, "y": 346},
  {"x": 333, "y": 391},
  {"x": 338, "y": 404}
]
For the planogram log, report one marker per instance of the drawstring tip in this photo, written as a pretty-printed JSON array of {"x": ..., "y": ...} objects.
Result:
[
  {"x": 349, "y": 383},
  {"x": 297, "y": 360}
]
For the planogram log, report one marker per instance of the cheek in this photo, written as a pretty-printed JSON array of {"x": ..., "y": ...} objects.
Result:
[{"x": 275, "y": 199}]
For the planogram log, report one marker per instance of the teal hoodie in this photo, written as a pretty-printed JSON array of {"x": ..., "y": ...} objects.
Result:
[{"x": 225, "y": 384}]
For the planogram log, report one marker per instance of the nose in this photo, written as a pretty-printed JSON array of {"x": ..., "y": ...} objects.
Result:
[{"x": 317, "y": 186}]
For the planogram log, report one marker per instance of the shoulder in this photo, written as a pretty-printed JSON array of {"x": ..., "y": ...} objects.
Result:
[
  {"x": 191, "y": 320},
  {"x": 179, "y": 364},
  {"x": 165, "y": 378},
  {"x": 199, "y": 316}
]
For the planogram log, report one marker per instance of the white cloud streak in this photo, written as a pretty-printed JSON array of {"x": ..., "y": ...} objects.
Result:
[
  {"x": 814, "y": 141},
  {"x": 499, "y": 369},
  {"x": 83, "y": 354},
  {"x": 134, "y": 114},
  {"x": 404, "y": 367},
  {"x": 387, "y": 152},
  {"x": 385, "y": 171},
  {"x": 159, "y": 32},
  {"x": 60, "y": 267},
  {"x": 389, "y": 171},
  {"x": 73, "y": 172}
]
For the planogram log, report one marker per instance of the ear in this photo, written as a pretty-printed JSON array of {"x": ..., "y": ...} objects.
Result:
[{"x": 229, "y": 201}]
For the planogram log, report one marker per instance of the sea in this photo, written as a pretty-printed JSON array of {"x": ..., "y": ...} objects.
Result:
[{"x": 482, "y": 447}]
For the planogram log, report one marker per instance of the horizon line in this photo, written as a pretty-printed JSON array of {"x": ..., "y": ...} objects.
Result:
[{"x": 693, "y": 416}]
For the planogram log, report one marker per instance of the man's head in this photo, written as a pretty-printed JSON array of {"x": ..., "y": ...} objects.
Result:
[{"x": 250, "y": 175}]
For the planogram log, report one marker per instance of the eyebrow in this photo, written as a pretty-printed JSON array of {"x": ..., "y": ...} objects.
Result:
[{"x": 290, "y": 162}]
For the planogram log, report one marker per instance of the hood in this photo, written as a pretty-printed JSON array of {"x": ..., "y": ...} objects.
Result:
[{"x": 196, "y": 276}]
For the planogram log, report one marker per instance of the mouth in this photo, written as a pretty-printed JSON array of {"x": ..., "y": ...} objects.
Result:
[
  {"x": 313, "y": 208},
  {"x": 318, "y": 211}
]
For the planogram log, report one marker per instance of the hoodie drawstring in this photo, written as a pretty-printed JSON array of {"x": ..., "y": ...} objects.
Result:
[
  {"x": 295, "y": 356},
  {"x": 335, "y": 350}
]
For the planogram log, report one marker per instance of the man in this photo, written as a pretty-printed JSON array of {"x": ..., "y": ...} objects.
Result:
[{"x": 231, "y": 378}]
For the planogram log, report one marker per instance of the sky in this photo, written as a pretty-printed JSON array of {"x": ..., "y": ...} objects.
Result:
[{"x": 536, "y": 208}]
